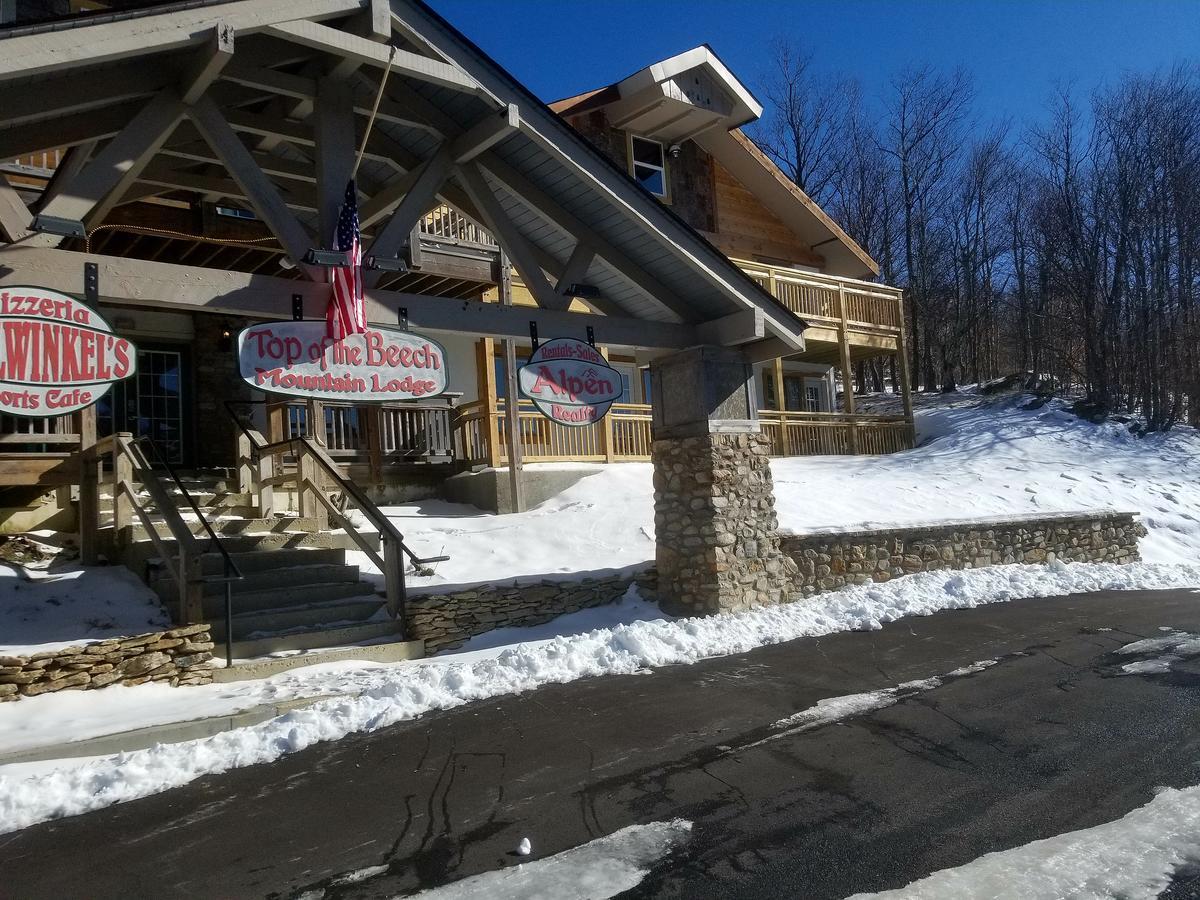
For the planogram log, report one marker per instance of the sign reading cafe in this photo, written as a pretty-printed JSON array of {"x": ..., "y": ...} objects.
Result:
[
  {"x": 376, "y": 366},
  {"x": 570, "y": 382},
  {"x": 57, "y": 355}
]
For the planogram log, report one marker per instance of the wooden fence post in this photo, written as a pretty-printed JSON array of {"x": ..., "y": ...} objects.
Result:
[
  {"x": 847, "y": 373},
  {"x": 486, "y": 358},
  {"x": 89, "y": 488},
  {"x": 902, "y": 371},
  {"x": 122, "y": 467}
]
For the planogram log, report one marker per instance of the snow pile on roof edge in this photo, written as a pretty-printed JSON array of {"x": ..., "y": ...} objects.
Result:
[{"x": 406, "y": 691}]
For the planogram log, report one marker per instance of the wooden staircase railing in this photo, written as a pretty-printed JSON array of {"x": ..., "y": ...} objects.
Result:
[{"x": 131, "y": 466}]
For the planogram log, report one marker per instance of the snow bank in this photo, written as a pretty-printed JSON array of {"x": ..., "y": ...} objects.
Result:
[
  {"x": 1131, "y": 857},
  {"x": 391, "y": 694}
]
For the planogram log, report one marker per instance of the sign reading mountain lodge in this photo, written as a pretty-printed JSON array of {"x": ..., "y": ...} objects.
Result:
[
  {"x": 570, "y": 382},
  {"x": 57, "y": 355},
  {"x": 378, "y": 366}
]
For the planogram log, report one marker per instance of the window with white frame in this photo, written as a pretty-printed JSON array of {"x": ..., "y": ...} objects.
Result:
[{"x": 648, "y": 164}]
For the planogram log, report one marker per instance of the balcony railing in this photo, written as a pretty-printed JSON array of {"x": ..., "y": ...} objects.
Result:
[
  {"x": 824, "y": 299},
  {"x": 624, "y": 435},
  {"x": 482, "y": 436},
  {"x": 445, "y": 223},
  {"x": 409, "y": 433}
]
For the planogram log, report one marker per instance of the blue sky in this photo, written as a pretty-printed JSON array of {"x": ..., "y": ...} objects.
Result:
[{"x": 1016, "y": 50}]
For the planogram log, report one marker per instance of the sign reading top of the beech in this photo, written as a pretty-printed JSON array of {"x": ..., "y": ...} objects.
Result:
[
  {"x": 377, "y": 366},
  {"x": 57, "y": 355},
  {"x": 570, "y": 382}
]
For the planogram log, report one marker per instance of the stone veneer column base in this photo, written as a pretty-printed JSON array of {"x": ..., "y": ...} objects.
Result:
[{"x": 714, "y": 515}]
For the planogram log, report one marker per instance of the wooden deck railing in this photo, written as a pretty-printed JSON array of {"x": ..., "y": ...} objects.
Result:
[
  {"x": 813, "y": 296},
  {"x": 445, "y": 223},
  {"x": 416, "y": 432},
  {"x": 624, "y": 435},
  {"x": 832, "y": 434}
]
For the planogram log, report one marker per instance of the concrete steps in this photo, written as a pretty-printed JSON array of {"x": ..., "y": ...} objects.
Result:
[
  {"x": 320, "y": 614},
  {"x": 298, "y": 595},
  {"x": 227, "y": 526}
]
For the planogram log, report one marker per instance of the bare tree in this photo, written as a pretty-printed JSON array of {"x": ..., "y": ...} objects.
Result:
[
  {"x": 803, "y": 133},
  {"x": 927, "y": 111}
]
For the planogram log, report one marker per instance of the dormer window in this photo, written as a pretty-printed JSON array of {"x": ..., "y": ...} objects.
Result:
[{"x": 648, "y": 164}]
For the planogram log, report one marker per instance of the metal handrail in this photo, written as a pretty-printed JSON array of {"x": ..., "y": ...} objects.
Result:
[
  {"x": 383, "y": 525},
  {"x": 232, "y": 572}
]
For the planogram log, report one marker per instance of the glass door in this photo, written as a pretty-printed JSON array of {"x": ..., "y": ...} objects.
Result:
[{"x": 150, "y": 403}]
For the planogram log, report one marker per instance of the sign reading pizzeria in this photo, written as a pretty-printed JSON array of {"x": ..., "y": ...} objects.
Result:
[
  {"x": 57, "y": 355},
  {"x": 570, "y": 382},
  {"x": 377, "y": 366}
]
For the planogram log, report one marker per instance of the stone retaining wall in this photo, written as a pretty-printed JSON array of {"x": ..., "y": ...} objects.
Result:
[
  {"x": 446, "y": 621},
  {"x": 177, "y": 656},
  {"x": 831, "y": 560},
  {"x": 826, "y": 561}
]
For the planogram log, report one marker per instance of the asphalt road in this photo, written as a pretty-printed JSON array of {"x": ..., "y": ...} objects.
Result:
[{"x": 1048, "y": 740}]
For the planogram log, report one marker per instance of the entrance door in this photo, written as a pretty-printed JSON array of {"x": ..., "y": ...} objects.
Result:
[{"x": 151, "y": 403}]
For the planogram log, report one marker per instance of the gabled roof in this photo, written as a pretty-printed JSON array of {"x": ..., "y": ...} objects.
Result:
[
  {"x": 450, "y": 115},
  {"x": 694, "y": 96}
]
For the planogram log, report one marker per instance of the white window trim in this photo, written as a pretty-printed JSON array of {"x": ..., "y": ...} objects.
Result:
[{"x": 665, "y": 197}]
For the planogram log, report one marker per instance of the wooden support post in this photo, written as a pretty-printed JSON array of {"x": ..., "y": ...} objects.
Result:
[
  {"x": 306, "y": 474},
  {"x": 277, "y": 425},
  {"x": 122, "y": 467},
  {"x": 785, "y": 443},
  {"x": 902, "y": 371},
  {"x": 847, "y": 373},
  {"x": 372, "y": 419},
  {"x": 606, "y": 431},
  {"x": 245, "y": 465},
  {"x": 191, "y": 588},
  {"x": 393, "y": 579},
  {"x": 89, "y": 488},
  {"x": 266, "y": 490},
  {"x": 486, "y": 359},
  {"x": 512, "y": 408}
]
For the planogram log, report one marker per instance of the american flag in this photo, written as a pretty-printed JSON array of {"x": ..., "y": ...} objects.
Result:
[{"x": 346, "y": 314}]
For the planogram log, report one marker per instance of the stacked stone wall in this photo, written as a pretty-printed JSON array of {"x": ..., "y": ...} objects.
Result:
[
  {"x": 179, "y": 656},
  {"x": 446, "y": 621},
  {"x": 831, "y": 560},
  {"x": 715, "y": 523}
]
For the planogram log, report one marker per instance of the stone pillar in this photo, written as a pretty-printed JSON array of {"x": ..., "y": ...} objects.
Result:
[{"x": 714, "y": 503}]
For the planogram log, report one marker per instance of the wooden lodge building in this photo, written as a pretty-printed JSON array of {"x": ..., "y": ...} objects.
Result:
[{"x": 180, "y": 166}]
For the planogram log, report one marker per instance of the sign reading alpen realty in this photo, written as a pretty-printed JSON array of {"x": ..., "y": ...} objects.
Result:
[
  {"x": 57, "y": 355},
  {"x": 570, "y": 382},
  {"x": 377, "y": 366}
]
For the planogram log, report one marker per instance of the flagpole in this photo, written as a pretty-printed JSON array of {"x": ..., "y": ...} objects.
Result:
[{"x": 374, "y": 110}]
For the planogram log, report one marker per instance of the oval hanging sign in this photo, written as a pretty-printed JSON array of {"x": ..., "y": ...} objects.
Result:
[
  {"x": 57, "y": 355},
  {"x": 377, "y": 366},
  {"x": 570, "y": 382}
]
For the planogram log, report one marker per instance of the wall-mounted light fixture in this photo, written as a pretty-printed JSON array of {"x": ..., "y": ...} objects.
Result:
[
  {"x": 330, "y": 259},
  {"x": 583, "y": 291},
  {"x": 225, "y": 341},
  {"x": 386, "y": 264},
  {"x": 59, "y": 226}
]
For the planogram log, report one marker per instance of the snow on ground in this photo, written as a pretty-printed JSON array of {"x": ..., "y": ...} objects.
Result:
[
  {"x": 1160, "y": 653},
  {"x": 389, "y": 694},
  {"x": 44, "y": 610},
  {"x": 978, "y": 456},
  {"x": 596, "y": 870},
  {"x": 836, "y": 709},
  {"x": 68, "y": 716},
  {"x": 1131, "y": 858}
]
